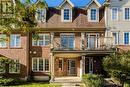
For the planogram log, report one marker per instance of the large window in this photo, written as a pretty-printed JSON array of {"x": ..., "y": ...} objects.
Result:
[
  {"x": 114, "y": 14},
  {"x": 67, "y": 41},
  {"x": 67, "y": 15},
  {"x": 116, "y": 38},
  {"x": 40, "y": 64},
  {"x": 15, "y": 40},
  {"x": 126, "y": 38},
  {"x": 2, "y": 67},
  {"x": 93, "y": 15},
  {"x": 127, "y": 13},
  {"x": 2, "y": 40},
  {"x": 43, "y": 40},
  {"x": 14, "y": 67},
  {"x": 41, "y": 15}
]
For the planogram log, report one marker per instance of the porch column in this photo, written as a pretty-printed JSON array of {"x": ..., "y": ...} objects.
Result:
[
  {"x": 82, "y": 41},
  {"x": 52, "y": 67},
  {"x": 52, "y": 37},
  {"x": 82, "y": 66}
]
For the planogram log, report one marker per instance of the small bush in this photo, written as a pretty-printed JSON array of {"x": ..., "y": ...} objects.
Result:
[
  {"x": 127, "y": 84},
  {"x": 92, "y": 80}
]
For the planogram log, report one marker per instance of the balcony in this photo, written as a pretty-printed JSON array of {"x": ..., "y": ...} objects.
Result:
[{"x": 99, "y": 44}]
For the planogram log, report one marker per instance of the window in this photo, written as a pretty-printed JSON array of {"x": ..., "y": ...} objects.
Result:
[
  {"x": 2, "y": 67},
  {"x": 67, "y": 41},
  {"x": 2, "y": 40},
  {"x": 44, "y": 40},
  {"x": 93, "y": 15},
  {"x": 127, "y": 13},
  {"x": 41, "y": 15},
  {"x": 15, "y": 40},
  {"x": 67, "y": 15},
  {"x": 40, "y": 64},
  {"x": 7, "y": 7},
  {"x": 116, "y": 38},
  {"x": 61, "y": 64},
  {"x": 114, "y": 13},
  {"x": 126, "y": 38},
  {"x": 92, "y": 41},
  {"x": 14, "y": 67}
]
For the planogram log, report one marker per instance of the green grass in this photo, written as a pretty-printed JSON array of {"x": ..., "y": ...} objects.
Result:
[
  {"x": 127, "y": 84},
  {"x": 34, "y": 84}
]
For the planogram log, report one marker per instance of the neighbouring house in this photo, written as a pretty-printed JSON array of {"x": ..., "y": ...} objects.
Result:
[
  {"x": 71, "y": 42},
  {"x": 118, "y": 23}
]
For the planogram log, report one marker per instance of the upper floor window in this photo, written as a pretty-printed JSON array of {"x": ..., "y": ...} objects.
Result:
[
  {"x": 6, "y": 7},
  {"x": 93, "y": 15},
  {"x": 67, "y": 41},
  {"x": 15, "y": 40},
  {"x": 14, "y": 67},
  {"x": 116, "y": 38},
  {"x": 127, "y": 13},
  {"x": 43, "y": 40},
  {"x": 2, "y": 40},
  {"x": 40, "y": 64},
  {"x": 67, "y": 15},
  {"x": 126, "y": 38},
  {"x": 114, "y": 14},
  {"x": 41, "y": 15}
]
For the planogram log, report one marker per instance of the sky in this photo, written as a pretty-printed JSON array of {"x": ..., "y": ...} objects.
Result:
[{"x": 77, "y": 3}]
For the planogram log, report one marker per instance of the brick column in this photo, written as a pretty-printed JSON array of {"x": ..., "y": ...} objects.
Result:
[
  {"x": 82, "y": 66},
  {"x": 52, "y": 37},
  {"x": 52, "y": 67},
  {"x": 82, "y": 41}
]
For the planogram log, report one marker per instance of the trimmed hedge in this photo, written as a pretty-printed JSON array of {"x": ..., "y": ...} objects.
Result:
[{"x": 92, "y": 80}]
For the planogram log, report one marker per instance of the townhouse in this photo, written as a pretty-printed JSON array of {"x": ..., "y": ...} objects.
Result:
[{"x": 72, "y": 41}]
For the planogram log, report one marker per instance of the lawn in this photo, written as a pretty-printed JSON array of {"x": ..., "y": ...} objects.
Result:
[{"x": 38, "y": 84}]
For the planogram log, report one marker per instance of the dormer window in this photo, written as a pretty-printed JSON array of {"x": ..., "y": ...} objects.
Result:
[
  {"x": 67, "y": 15},
  {"x": 93, "y": 15},
  {"x": 41, "y": 15}
]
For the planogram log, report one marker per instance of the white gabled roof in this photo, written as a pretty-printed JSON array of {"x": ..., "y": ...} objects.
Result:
[
  {"x": 68, "y": 1},
  {"x": 98, "y": 4},
  {"x": 43, "y": 2}
]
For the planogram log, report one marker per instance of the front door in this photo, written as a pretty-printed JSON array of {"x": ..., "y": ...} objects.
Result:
[{"x": 72, "y": 67}]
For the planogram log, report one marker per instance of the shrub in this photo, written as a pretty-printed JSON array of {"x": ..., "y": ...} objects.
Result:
[
  {"x": 127, "y": 84},
  {"x": 92, "y": 80}
]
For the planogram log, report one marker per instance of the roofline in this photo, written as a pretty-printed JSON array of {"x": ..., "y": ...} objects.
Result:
[
  {"x": 65, "y": 2},
  {"x": 44, "y": 3},
  {"x": 98, "y": 4}
]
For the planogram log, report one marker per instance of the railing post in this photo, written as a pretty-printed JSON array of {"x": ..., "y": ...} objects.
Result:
[{"x": 52, "y": 38}]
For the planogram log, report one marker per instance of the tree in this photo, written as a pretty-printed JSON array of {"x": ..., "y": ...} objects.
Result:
[{"x": 118, "y": 65}]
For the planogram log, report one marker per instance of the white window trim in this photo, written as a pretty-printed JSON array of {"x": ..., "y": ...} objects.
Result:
[
  {"x": 4, "y": 41},
  {"x": 62, "y": 15},
  {"x": 97, "y": 15},
  {"x": 118, "y": 42},
  {"x": 15, "y": 41},
  {"x": 15, "y": 65},
  {"x": 124, "y": 37},
  {"x": 43, "y": 19},
  {"x": 68, "y": 35},
  {"x": 116, "y": 14},
  {"x": 124, "y": 14},
  {"x": 42, "y": 40},
  {"x": 37, "y": 58}
]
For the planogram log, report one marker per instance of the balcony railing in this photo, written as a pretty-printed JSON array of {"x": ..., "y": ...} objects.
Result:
[{"x": 102, "y": 43}]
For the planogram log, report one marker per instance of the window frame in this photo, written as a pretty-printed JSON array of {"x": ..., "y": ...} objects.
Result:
[
  {"x": 70, "y": 15},
  {"x": 124, "y": 38},
  {"x": 97, "y": 15},
  {"x": 15, "y": 46},
  {"x": 125, "y": 13},
  {"x": 117, "y": 14},
  {"x": 15, "y": 64},
  {"x": 67, "y": 34},
  {"x": 42, "y": 15},
  {"x": 37, "y": 69},
  {"x": 117, "y": 38},
  {"x": 38, "y": 41},
  {"x": 5, "y": 42}
]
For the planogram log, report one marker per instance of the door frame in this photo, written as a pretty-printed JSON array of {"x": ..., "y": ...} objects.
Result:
[{"x": 69, "y": 67}]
